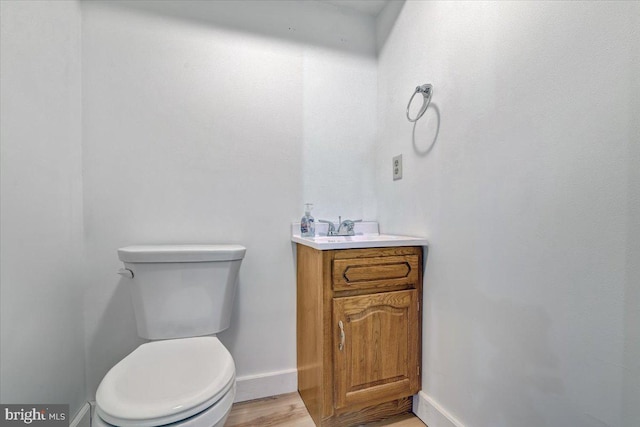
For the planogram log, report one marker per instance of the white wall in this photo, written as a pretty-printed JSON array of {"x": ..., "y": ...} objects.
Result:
[
  {"x": 202, "y": 122},
  {"x": 631, "y": 352},
  {"x": 210, "y": 122},
  {"x": 529, "y": 196},
  {"x": 339, "y": 116},
  {"x": 41, "y": 287}
]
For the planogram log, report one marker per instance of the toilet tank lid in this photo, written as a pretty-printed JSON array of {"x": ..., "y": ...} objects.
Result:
[{"x": 180, "y": 253}]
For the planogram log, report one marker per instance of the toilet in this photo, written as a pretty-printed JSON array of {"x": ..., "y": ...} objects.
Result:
[{"x": 184, "y": 377}]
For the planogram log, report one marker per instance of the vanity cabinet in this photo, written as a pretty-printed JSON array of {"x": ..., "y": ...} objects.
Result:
[{"x": 358, "y": 332}]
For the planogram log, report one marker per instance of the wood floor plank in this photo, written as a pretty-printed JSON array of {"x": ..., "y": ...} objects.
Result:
[
  {"x": 405, "y": 420},
  {"x": 288, "y": 410}
]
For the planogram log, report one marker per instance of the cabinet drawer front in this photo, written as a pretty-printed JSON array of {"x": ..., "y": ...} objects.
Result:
[
  {"x": 376, "y": 348},
  {"x": 375, "y": 272}
]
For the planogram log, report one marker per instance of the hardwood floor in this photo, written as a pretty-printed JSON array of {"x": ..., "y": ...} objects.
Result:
[{"x": 287, "y": 410}]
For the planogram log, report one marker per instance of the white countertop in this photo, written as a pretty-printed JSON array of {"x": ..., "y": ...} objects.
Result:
[{"x": 367, "y": 236}]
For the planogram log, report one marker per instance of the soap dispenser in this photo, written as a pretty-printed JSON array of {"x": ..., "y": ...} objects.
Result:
[{"x": 307, "y": 223}]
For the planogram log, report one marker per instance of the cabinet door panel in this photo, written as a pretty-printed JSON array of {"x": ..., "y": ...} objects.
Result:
[{"x": 379, "y": 359}]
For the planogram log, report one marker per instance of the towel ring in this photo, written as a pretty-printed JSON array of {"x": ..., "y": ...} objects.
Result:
[{"x": 427, "y": 91}]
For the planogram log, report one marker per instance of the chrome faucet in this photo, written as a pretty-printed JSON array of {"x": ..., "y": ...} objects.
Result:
[{"x": 345, "y": 228}]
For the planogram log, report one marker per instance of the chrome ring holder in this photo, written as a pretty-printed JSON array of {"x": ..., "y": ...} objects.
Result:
[{"x": 427, "y": 91}]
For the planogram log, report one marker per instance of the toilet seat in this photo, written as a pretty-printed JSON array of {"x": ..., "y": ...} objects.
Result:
[
  {"x": 163, "y": 382},
  {"x": 214, "y": 415}
]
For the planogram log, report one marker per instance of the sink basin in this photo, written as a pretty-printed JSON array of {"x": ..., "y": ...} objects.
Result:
[{"x": 370, "y": 239}]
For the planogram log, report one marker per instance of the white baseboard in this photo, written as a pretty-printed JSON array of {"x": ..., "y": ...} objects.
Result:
[
  {"x": 263, "y": 385},
  {"x": 431, "y": 413},
  {"x": 82, "y": 417}
]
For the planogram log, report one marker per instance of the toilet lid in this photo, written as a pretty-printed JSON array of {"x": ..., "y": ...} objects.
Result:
[{"x": 165, "y": 381}]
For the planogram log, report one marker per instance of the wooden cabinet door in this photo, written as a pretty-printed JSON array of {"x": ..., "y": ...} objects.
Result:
[{"x": 376, "y": 348}]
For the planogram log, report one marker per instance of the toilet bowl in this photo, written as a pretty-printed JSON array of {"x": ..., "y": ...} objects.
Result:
[
  {"x": 182, "y": 296},
  {"x": 186, "y": 382}
]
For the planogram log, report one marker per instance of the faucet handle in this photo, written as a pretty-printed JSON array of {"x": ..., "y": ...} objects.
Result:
[
  {"x": 332, "y": 228},
  {"x": 350, "y": 221},
  {"x": 346, "y": 227}
]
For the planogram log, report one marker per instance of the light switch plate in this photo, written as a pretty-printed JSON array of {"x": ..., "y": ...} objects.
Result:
[{"x": 397, "y": 167}]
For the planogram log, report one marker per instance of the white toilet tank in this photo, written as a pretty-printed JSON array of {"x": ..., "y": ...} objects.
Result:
[{"x": 182, "y": 291}]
